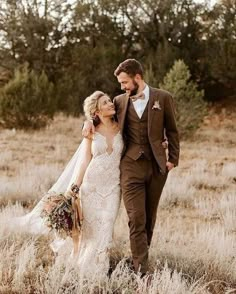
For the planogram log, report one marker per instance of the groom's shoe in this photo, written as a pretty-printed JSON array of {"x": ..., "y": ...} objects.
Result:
[
  {"x": 143, "y": 275},
  {"x": 129, "y": 263},
  {"x": 147, "y": 278},
  {"x": 110, "y": 271}
]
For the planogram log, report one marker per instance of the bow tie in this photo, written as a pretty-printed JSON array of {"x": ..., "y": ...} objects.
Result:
[{"x": 137, "y": 96}]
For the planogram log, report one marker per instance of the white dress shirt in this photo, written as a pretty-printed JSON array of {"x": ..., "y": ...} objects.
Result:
[{"x": 140, "y": 104}]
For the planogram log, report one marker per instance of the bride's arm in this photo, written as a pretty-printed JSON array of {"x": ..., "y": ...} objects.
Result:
[
  {"x": 87, "y": 156},
  {"x": 88, "y": 129}
]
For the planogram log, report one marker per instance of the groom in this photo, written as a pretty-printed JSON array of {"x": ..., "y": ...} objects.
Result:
[{"x": 145, "y": 116}]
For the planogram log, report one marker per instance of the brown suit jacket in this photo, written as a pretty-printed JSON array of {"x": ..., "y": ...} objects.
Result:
[{"x": 160, "y": 121}]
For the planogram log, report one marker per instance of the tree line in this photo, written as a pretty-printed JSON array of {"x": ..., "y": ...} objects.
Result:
[{"x": 78, "y": 45}]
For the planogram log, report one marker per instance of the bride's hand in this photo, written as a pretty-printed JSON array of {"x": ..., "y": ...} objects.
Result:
[
  {"x": 88, "y": 129},
  {"x": 68, "y": 194},
  {"x": 73, "y": 191}
]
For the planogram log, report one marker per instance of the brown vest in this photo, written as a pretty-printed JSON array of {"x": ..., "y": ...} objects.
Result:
[{"x": 136, "y": 131}]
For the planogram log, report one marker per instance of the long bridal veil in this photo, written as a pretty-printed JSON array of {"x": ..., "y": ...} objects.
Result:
[{"x": 32, "y": 222}]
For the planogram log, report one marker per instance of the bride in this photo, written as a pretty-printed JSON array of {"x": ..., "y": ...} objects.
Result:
[
  {"x": 99, "y": 181},
  {"x": 94, "y": 170}
]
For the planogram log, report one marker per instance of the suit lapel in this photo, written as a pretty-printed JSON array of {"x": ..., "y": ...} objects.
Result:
[{"x": 150, "y": 110}]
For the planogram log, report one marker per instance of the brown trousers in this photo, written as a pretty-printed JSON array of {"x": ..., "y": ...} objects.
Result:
[{"x": 141, "y": 184}]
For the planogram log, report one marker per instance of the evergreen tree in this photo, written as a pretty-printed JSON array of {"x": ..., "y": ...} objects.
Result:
[
  {"x": 27, "y": 101},
  {"x": 190, "y": 106}
]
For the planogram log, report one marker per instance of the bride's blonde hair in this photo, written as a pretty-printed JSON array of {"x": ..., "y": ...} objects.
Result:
[{"x": 91, "y": 104}]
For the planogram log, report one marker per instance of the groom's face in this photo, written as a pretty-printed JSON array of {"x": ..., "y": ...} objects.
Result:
[{"x": 128, "y": 84}]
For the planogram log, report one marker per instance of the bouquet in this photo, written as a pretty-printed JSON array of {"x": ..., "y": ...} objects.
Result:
[{"x": 63, "y": 212}]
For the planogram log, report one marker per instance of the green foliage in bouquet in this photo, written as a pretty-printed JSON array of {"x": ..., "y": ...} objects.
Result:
[
  {"x": 27, "y": 101},
  {"x": 190, "y": 106}
]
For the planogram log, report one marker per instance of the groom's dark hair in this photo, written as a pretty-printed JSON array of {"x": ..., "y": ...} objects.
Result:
[{"x": 130, "y": 67}]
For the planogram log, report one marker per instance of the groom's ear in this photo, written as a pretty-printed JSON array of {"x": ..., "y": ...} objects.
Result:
[{"x": 137, "y": 78}]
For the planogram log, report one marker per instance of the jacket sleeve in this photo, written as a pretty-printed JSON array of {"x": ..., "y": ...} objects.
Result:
[
  {"x": 115, "y": 102},
  {"x": 172, "y": 133}
]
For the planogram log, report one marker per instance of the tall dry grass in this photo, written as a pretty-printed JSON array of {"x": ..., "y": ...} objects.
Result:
[{"x": 194, "y": 245}]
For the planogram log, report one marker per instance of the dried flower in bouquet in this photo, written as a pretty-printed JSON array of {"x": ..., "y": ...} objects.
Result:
[{"x": 62, "y": 213}]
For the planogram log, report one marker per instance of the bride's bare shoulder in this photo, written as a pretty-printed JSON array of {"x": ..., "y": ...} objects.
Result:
[
  {"x": 116, "y": 124},
  {"x": 116, "y": 128}
]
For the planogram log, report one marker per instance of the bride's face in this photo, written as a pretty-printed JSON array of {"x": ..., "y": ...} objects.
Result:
[{"x": 105, "y": 107}]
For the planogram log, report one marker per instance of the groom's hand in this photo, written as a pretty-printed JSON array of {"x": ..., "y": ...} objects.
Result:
[
  {"x": 165, "y": 144},
  {"x": 88, "y": 129},
  {"x": 169, "y": 165}
]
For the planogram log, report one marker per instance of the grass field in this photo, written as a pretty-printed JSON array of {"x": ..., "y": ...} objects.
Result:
[{"x": 194, "y": 246}]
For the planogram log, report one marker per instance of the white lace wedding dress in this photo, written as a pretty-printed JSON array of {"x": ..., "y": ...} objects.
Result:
[{"x": 100, "y": 197}]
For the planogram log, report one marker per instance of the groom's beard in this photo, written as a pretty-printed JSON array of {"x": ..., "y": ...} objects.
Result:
[{"x": 135, "y": 89}]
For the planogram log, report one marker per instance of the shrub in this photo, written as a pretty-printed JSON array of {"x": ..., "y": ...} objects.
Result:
[
  {"x": 27, "y": 101},
  {"x": 190, "y": 106}
]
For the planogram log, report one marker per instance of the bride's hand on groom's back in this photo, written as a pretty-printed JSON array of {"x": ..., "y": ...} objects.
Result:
[{"x": 88, "y": 129}]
